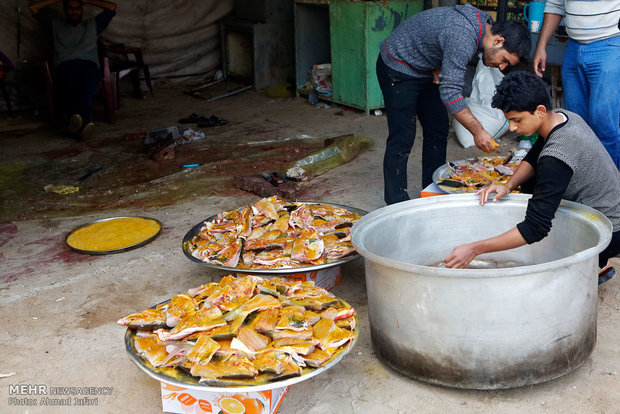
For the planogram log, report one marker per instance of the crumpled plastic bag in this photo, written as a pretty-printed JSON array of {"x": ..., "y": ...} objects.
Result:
[
  {"x": 479, "y": 103},
  {"x": 190, "y": 135},
  {"x": 341, "y": 151}
]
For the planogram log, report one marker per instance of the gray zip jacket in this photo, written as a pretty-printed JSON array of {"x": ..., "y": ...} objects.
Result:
[{"x": 442, "y": 37}]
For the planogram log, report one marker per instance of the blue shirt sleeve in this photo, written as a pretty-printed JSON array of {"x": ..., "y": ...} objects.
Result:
[{"x": 552, "y": 178}]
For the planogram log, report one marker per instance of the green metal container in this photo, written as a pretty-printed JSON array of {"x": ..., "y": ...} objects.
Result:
[{"x": 356, "y": 30}]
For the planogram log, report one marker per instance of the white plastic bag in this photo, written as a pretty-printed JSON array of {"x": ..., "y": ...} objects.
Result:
[{"x": 479, "y": 103}]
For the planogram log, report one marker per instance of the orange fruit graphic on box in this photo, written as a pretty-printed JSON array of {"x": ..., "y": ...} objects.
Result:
[{"x": 231, "y": 406}]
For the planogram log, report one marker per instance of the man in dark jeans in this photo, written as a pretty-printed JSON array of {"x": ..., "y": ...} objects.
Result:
[
  {"x": 421, "y": 71},
  {"x": 76, "y": 60}
]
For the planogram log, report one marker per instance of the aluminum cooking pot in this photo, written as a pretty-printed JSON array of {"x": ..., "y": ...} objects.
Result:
[{"x": 480, "y": 328}]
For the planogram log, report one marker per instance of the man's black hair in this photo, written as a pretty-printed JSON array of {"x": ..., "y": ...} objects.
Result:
[
  {"x": 65, "y": 3},
  {"x": 517, "y": 38},
  {"x": 521, "y": 91}
]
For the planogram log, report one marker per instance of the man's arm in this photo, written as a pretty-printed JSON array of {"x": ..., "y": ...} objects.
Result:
[
  {"x": 102, "y": 4},
  {"x": 35, "y": 7},
  {"x": 550, "y": 24}
]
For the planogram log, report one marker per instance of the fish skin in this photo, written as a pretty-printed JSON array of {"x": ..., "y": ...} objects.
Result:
[
  {"x": 150, "y": 318},
  {"x": 292, "y": 317},
  {"x": 240, "y": 289},
  {"x": 203, "y": 320},
  {"x": 237, "y": 368},
  {"x": 301, "y": 217},
  {"x": 203, "y": 350},
  {"x": 179, "y": 307},
  {"x": 267, "y": 207},
  {"x": 308, "y": 246},
  {"x": 228, "y": 256}
]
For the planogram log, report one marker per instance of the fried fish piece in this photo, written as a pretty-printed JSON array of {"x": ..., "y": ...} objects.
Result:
[
  {"x": 150, "y": 318},
  {"x": 203, "y": 350}
]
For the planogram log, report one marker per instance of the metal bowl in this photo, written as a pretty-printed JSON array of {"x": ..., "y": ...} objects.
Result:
[
  {"x": 281, "y": 270},
  {"x": 124, "y": 249},
  {"x": 445, "y": 172},
  {"x": 174, "y": 376},
  {"x": 480, "y": 328}
]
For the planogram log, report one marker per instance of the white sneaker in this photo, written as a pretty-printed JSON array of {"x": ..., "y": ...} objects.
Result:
[
  {"x": 75, "y": 124},
  {"x": 88, "y": 129}
]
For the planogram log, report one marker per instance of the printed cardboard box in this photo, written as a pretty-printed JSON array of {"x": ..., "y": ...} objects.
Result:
[
  {"x": 432, "y": 190},
  {"x": 324, "y": 278},
  {"x": 181, "y": 400}
]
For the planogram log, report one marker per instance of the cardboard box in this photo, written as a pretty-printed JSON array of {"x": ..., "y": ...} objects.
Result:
[
  {"x": 432, "y": 190},
  {"x": 325, "y": 278},
  {"x": 175, "y": 399}
]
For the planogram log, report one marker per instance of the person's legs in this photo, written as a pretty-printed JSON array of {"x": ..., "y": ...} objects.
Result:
[
  {"x": 400, "y": 93},
  {"x": 435, "y": 127},
  {"x": 76, "y": 82},
  {"x": 574, "y": 81},
  {"x": 601, "y": 62}
]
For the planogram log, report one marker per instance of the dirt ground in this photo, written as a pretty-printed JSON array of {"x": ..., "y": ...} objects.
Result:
[{"x": 60, "y": 307}]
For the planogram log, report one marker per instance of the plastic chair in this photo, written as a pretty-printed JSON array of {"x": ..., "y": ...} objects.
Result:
[{"x": 121, "y": 65}]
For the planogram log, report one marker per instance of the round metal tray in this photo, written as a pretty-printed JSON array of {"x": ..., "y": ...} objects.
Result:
[
  {"x": 133, "y": 246},
  {"x": 280, "y": 270},
  {"x": 444, "y": 172},
  {"x": 174, "y": 376}
]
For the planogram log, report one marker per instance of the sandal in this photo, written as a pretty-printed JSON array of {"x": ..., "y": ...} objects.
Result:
[
  {"x": 212, "y": 121},
  {"x": 193, "y": 119},
  {"x": 609, "y": 273}
]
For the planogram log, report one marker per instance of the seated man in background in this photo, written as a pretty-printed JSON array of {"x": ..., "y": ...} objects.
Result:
[
  {"x": 567, "y": 162},
  {"x": 76, "y": 60}
]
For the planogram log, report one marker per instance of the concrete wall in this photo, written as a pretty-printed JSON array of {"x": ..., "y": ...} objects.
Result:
[{"x": 177, "y": 37}]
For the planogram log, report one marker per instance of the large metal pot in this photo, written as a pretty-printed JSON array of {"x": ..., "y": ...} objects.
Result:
[{"x": 480, "y": 328}]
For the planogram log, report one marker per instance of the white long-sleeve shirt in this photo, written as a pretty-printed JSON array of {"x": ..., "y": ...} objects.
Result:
[{"x": 588, "y": 20}]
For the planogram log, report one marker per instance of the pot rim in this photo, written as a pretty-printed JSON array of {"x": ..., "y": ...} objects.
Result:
[{"x": 596, "y": 220}]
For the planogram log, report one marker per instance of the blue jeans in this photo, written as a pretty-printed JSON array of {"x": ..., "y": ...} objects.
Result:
[
  {"x": 405, "y": 97},
  {"x": 591, "y": 80},
  {"x": 75, "y": 84}
]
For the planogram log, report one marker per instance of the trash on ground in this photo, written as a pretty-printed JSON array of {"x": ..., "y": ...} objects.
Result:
[
  {"x": 260, "y": 185},
  {"x": 340, "y": 151},
  {"x": 61, "y": 189},
  {"x": 136, "y": 135},
  {"x": 158, "y": 135},
  {"x": 296, "y": 172},
  {"x": 190, "y": 135}
]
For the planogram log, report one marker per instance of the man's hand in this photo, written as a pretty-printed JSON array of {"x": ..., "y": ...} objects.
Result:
[
  {"x": 484, "y": 141},
  {"x": 500, "y": 190},
  {"x": 461, "y": 256},
  {"x": 482, "y": 138},
  {"x": 539, "y": 61},
  {"x": 436, "y": 73}
]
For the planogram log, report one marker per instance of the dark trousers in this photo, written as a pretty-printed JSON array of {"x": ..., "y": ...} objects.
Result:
[
  {"x": 75, "y": 83},
  {"x": 406, "y": 97},
  {"x": 612, "y": 250}
]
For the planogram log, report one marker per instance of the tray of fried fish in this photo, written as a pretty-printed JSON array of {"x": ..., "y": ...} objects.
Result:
[
  {"x": 275, "y": 236},
  {"x": 469, "y": 175},
  {"x": 249, "y": 333}
]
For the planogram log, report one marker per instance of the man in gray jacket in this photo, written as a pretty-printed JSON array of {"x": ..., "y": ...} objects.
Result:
[{"x": 421, "y": 71}]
